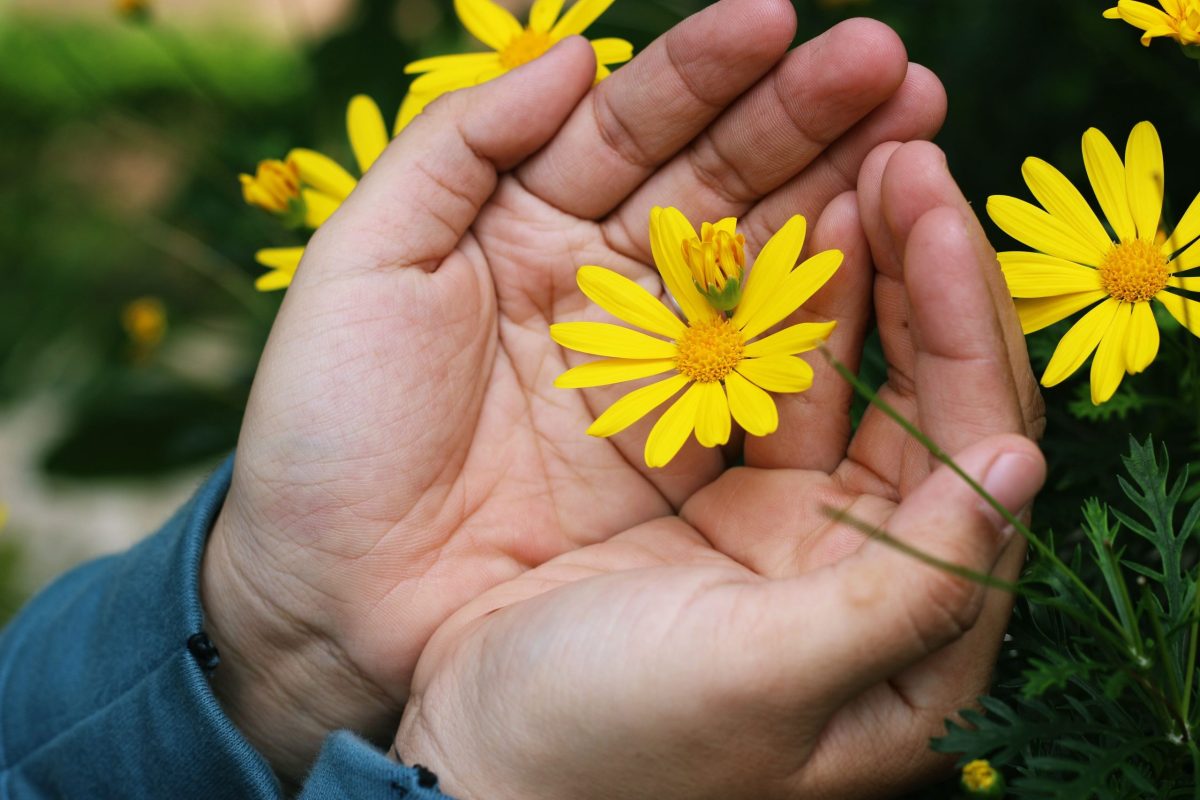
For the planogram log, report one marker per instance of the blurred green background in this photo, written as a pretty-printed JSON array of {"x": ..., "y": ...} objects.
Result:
[{"x": 120, "y": 145}]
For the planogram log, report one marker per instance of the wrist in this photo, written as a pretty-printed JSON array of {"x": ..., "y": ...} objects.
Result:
[{"x": 281, "y": 681}]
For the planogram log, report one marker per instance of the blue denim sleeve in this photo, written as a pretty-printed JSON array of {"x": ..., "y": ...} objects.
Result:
[{"x": 104, "y": 689}]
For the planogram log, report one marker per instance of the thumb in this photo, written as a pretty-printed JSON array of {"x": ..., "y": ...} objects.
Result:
[
  {"x": 881, "y": 610},
  {"x": 424, "y": 192}
]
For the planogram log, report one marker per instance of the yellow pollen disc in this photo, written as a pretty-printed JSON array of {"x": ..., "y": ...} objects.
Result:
[
  {"x": 525, "y": 48},
  {"x": 979, "y": 775},
  {"x": 1134, "y": 271},
  {"x": 708, "y": 351}
]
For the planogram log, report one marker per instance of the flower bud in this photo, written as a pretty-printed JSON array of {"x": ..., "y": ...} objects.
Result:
[{"x": 717, "y": 261}]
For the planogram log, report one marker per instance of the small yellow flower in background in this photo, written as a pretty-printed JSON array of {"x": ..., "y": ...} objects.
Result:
[
  {"x": 145, "y": 322},
  {"x": 717, "y": 358},
  {"x": 1178, "y": 19},
  {"x": 512, "y": 45},
  {"x": 275, "y": 187},
  {"x": 980, "y": 779},
  {"x": 3, "y": 516},
  {"x": 134, "y": 10},
  {"x": 322, "y": 184},
  {"x": 1077, "y": 263}
]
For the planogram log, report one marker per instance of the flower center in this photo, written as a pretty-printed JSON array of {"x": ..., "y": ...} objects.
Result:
[
  {"x": 979, "y": 776},
  {"x": 1134, "y": 271},
  {"x": 524, "y": 48},
  {"x": 708, "y": 351}
]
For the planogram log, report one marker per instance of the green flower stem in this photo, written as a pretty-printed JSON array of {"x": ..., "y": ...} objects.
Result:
[
  {"x": 1127, "y": 603},
  {"x": 1173, "y": 698},
  {"x": 937, "y": 452},
  {"x": 1191, "y": 665}
]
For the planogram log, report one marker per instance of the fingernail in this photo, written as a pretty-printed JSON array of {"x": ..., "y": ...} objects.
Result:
[{"x": 1012, "y": 479}]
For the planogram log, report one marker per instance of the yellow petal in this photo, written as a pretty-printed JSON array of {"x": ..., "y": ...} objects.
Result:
[
  {"x": 612, "y": 370},
  {"x": 795, "y": 290},
  {"x": 488, "y": 22},
  {"x": 1108, "y": 367},
  {"x": 774, "y": 263},
  {"x": 712, "y": 415},
  {"x": 753, "y": 408},
  {"x": 1144, "y": 179},
  {"x": 318, "y": 207},
  {"x": 455, "y": 61},
  {"x": 791, "y": 340},
  {"x": 274, "y": 280},
  {"x": 1060, "y": 197},
  {"x": 1035, "y": 228},
  {"x": 1040, "y": 275},
  {"x": 1185, "y": 311},
  {"x": 673, "y": 429},
  {"x": 437, "y": 83},
  {"x": 1080, "y": 342},
  {"x": 323, "y": 173},
  {"x": 1141, "y": 341},
  {"x": 777, "y": 373},
  {"x": 1107, "y": 176},
  {"x": 669, "y": 229},
  {"x": 283, "y": 258},
  {"x": 1149, "y": 19},
  {"x": 579, "y": 17},
  {"x": 1186, "y": 232},
  {"x": 367, "y": 131},
  {"x": 1043, "y": 312},
  {"x": 543, "y": 14},
  {"x": 635, "y": 405},
  {"x": 613, "y": 51},
  {"x": 628, "y": 302},
  {"x": 603, "y": 339}
]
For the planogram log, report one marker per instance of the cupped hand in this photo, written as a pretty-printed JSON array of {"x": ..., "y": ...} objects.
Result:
[
  {"x": 404, "y": 450},
  {"x": 750, "y": 645}
]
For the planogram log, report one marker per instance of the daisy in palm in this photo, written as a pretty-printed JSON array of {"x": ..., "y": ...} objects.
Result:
[
  {"x": 1178, "y": 19},
  {"x": 714, "y": 354},
  {"x": 306, "y": 188},
  {"x": 512, "y": 45},
  {"x": 1077, "y": 263}
]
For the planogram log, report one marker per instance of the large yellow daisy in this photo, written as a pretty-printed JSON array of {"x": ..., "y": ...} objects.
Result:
[
  {"x": 310, "y": 186},
  {"x": 1079, "y": 265},
  {"x": 512, "y": 45},
  {"x": 1178, "y": 19},
  {"x": 717, "y": 359}
]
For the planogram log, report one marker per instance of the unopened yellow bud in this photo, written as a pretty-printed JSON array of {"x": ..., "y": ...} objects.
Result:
[
  {"x": 980, "y": 779},
  {"x": 717, "y": 261},
  {"x": 145, "y": 321},
  {"x": 274, "y": 187}
]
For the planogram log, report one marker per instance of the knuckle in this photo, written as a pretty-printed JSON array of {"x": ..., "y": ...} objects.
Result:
[
  {"x": 616, "y": 133},
  {"x": 944, "y": 609}
]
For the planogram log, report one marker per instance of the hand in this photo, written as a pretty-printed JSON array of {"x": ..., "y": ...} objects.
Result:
[
  {"x": 404, "y": 450},
  {"x": 748, "y": 646}
]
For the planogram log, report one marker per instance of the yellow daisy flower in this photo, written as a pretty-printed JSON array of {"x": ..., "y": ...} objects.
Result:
[
  {"x": 981, "y": 779},
  {"x": 512, "y": 45},
  {"x": 1178, "y": 20},
  {"x": 716, "y": 358},
  {"x": 322, "y": 186},
  {"x": 1077, "y": 263}
]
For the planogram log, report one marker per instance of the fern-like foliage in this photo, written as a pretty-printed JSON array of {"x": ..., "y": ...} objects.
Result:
[{"x": 1098, "y": 693}]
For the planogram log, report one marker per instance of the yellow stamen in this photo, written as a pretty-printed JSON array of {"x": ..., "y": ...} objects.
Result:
[
  {"x": 274, "y": 187},
  {"x": 1134, "y": 271},
  {"x": 524, "y": 48},
  {"x": 979, "y": 776},
  {"x": 708, "y": 351}
]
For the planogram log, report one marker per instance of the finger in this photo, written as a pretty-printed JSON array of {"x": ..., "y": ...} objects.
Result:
[
  {"x": 821, "y": 90},
  {"x": 654, "y": 105},
  {"x": 917, "y": 180},
  {"x": 814, "y": 426},
  {"x": 416, "y": 202},
  {"x": 872, "y": 615},
  {"x": 915, "y": 111}
]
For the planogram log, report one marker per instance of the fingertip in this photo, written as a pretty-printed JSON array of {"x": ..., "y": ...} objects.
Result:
[
  {"x": 773, "y": 20},
  {"x": 927, "y": 93},
  {"x": 877, "y": 50}
]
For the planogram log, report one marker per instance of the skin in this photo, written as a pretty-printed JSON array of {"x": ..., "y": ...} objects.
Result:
[{"x": 417, "y": 521}]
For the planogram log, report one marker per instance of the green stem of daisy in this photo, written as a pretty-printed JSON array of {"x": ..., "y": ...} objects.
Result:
[
  {"x": 1035, "y": 541},
  {"x": 1191, "y": 658},
  {"x": 879, "y": 534}
]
